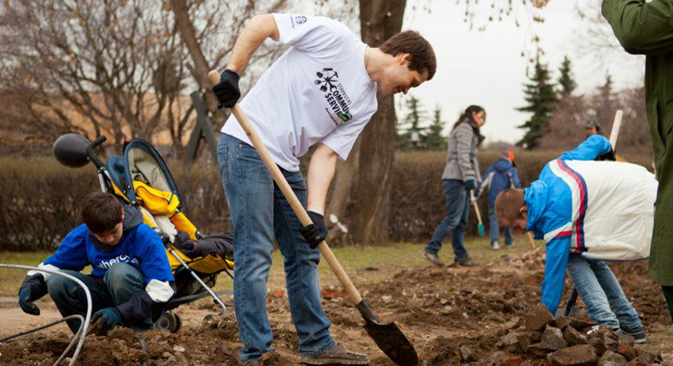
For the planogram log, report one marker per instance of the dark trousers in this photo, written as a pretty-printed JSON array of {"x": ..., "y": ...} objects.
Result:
[
  {"x": 455, "y": 222},
  {"x": 118, "y": 285}
]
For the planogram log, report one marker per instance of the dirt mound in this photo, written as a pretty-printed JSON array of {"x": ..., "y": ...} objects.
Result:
[{"x": 451, "y": 316}]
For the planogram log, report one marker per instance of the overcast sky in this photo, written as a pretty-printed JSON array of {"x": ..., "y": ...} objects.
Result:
[{"x": 486, "y": 68}]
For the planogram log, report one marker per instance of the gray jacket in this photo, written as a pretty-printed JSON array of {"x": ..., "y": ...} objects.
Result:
[{"x": 462, "y": 161}]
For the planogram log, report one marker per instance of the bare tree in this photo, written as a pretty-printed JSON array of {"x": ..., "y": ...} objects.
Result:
[{"x": 105, "y": 67}]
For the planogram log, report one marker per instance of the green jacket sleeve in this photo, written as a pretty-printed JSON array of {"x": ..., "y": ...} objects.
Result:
[{"x": 641, "y": 28}]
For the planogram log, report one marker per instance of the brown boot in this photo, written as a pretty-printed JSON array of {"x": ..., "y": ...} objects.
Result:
[{"x": 337, "y": 355}]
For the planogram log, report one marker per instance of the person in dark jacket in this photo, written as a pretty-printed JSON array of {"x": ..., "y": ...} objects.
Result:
[
  {"x": 500, "y": 176},
  {"x": 460, "y": 173},
  {"x": 644, "y": 28},
  {"x": 131, "y": 279}
]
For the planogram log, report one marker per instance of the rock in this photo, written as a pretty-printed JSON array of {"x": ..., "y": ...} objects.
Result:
[
  {"x": 512, "y": 361},
  {"x": 552, "y": 339},
  {"x": 580, "y": 355},
  {"x": 446, "y": 310},
  {"x": 467, "y": 355},
  {"x": 562, "y": 321},
  {"x": 609, "y": 340},
  {"x": 538, "y": 318},
  {"x": 625, "y": 338},
  {"x": 649, "y": 357},
  {"x": 598, "y": 346},
  {"x": 581, "y": 324},
  {"x": 181, "y": 359},
  {"x": 178, "y": 348},
  {"x": 512, "y": 342},
  {"x": 538, "y": 350},
  {"x": 534, "y": 337},
  {"x": 573, "y": 337},
  {"x": 627, "y": 351},
  {"x": 612, "y": 359}
]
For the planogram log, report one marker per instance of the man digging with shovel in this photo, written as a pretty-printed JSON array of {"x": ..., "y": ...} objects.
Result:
[
  {"x": 321, "y": 90},
  {"x": 587, "y": 212}
]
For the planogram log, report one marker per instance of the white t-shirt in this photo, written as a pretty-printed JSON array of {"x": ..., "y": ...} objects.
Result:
[{"x": 317, "y": 91}]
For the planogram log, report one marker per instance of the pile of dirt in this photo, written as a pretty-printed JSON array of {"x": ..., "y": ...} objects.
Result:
[
  {"x": 452, "y": 316},
  {"x": 566, "y": 341},
  {"x": 121, "y": 347}
]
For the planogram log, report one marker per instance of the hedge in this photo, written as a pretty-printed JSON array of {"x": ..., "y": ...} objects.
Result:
[{"x": 40, "y": 197}]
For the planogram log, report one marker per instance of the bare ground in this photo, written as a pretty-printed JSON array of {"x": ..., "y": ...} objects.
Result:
[{"x": 439, "y": 309}]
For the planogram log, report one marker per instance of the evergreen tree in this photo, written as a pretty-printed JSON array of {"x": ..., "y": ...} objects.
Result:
[
  {"x": 410, "y": 134},
  {"x": 541, "y": 97},
  {"x": 434, "y": 139},
  {"x": 566, "y": 81}
]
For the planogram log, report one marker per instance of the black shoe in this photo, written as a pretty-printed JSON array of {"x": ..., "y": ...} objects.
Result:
[
  {"x": 337, "y": 355},
  {"x": 466, "y": 262},
  {"x": 433, "y": 258}
]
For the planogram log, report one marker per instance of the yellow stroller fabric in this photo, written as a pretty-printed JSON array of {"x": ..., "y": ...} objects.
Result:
[{"x": 161, "y": 203}]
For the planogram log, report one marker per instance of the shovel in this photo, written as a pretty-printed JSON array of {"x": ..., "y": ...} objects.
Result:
[
  {"x": 480, "y": 227},
  {"x": 388, "y": 337}
]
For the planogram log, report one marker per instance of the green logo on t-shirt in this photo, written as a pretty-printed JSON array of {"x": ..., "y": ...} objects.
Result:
[
  {"x": 345, "y": 117},
  {"x": 335, "y": 94}
]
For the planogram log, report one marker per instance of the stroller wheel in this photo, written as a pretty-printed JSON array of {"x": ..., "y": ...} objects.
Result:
[{"x": 169, "y": 321}]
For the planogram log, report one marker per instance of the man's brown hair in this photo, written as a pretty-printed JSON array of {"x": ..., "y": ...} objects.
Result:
[
  {"x": 101, "y": 212},
  {"x": 508, "y": 204},
  {"x": 411, "y": 42}
]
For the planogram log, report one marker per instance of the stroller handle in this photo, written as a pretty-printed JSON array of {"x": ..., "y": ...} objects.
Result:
[{"x": 92, "y": 155}]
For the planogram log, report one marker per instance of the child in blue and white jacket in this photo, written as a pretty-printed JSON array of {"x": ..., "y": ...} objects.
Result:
[
  {"x": 587, "y": 212},
  {"x": 131, "y": 279}
]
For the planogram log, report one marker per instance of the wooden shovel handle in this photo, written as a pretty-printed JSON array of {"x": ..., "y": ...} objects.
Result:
[
  {"x": 476, "y": 210},
  {"x": 297, "y": 207}
]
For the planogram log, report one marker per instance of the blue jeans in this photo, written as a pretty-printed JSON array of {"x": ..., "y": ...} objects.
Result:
[
  {"x": 457, "y": 208},
  {"x": 494, "y": 228},
  {"x": 599, "y": 289},
  {"x": 120, "y": 283},
  {"x": 259, "y": 212}
]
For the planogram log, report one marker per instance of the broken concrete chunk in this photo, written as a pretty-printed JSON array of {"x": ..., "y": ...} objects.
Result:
[
  {"x": 580, "y": 355},
  {"x": 598, "y": 346},
  {"x": 627, "y": 351},
  {"x": 573, "y": 337},
  {"x": 562, "y": 321},
  {"x": 612, "y": 358},
  {"x": 552, "y": 339},
  {"x": 538, "y": 318},
  {"x": 466, "y": 354}
]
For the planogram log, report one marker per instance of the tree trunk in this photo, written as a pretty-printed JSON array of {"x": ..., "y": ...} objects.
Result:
[
  {"x": 201, "y": 68},
  {"x": 369, "y": 173}
]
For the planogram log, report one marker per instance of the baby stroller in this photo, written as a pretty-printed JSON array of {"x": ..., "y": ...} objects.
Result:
[{"x": 141, "y": 179}]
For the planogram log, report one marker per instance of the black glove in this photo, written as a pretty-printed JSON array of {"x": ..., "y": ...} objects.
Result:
[
  {"x": 32, "y": 289},
  {"x": 315, "y": 232},
  {"x": 105, "y": 319},
  {"x": 469, "y": 185},
  {"x": 227, "y": 91},
  {"x": 610, "y": 155}
]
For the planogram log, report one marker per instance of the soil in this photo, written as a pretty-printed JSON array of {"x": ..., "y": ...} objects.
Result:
[{"x": 445, "y": 313}]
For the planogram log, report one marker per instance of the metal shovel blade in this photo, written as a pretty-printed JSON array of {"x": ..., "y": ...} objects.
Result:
[{"x": 389, "y": 338}]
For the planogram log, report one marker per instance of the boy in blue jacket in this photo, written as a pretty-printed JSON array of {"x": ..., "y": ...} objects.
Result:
[
  {"x": 131, "y": 280},
  {"x": 587, "y": 212},
  {"x": 501, "y": 175}
]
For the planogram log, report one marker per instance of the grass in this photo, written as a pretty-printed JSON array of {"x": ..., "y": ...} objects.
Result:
[{"x": 364, "y": 265}]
